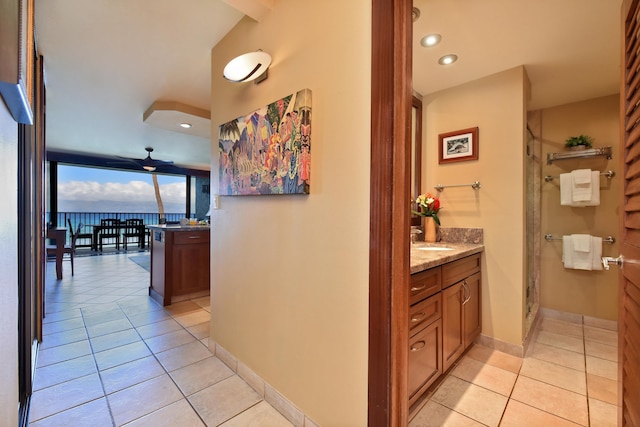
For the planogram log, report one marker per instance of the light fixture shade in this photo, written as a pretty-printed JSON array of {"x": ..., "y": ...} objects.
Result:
[{"x": 247, "y": 67}]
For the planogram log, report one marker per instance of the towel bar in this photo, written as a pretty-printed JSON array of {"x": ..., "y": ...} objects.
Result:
[
  {"x": 475, "y": 185},
  {"x": 608, "y": 174},
  {"x": 609, "y": 239}
]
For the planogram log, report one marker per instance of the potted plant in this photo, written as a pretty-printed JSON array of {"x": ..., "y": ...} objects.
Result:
[{"x": 580, "y": 142}]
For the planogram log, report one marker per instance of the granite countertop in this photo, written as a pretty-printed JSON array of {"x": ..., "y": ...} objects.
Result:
[
  {"x": 425, "y": 259},
  {"x": 178, "y": 227}
]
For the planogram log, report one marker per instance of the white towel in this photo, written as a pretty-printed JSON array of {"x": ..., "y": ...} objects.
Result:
[
  {"x": 566, "y": 193},
  {"x": 581, "y": 242},
  {"x": 581, "y": 185},
  {"x": 596, "y": 260},
  {"x": 578, "y": 259},
  {"x": 567, "y": 251}
]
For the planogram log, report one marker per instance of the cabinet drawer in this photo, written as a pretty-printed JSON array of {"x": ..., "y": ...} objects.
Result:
[
  {"x": 190, "y": 237},
  {"x": 458, "y": 270},
  {"x": 424, "y": 284},
  {"x": 424, "y": 312},
  {"x": 425, "y": 359}
]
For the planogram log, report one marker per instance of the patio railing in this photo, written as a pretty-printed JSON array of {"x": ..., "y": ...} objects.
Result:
[{"x": 88, "y": 219}]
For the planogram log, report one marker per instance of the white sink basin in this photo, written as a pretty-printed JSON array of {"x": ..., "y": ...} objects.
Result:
[{"x": 433, "y": 248}]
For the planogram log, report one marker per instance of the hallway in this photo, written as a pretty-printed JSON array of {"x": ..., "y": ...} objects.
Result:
[{"x": 111, "y": 356}]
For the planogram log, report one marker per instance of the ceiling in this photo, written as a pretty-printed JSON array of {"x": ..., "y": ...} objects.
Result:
[
  {"x": 108, "y": 61},
  {"x": 570, "y": 48}
]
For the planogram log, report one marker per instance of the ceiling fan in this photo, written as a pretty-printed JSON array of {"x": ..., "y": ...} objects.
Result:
[{"x": 148, "y": 163}]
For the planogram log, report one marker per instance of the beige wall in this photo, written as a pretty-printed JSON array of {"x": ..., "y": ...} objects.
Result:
[
  {"x": 289, "y": 274},
  {"x": 591, "y": 293},
  {"x": 8, "y": 267},
  {"x": 496, "y": 104}
]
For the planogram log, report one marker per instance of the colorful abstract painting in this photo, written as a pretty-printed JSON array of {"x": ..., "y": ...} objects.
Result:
[{"x": 269, "y": 150}]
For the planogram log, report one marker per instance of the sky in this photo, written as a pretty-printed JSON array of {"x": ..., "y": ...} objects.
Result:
[{"x": 83, "y": 189}]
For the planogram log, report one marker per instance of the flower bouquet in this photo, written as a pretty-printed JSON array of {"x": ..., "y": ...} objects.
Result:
[{"x": 428, "y": 205}]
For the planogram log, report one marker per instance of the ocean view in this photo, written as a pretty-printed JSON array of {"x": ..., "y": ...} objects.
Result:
[{"x": 117, "y": 206}]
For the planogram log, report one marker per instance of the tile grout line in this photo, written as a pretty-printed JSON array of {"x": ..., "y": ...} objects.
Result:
[
  {"x": 586, "y": 379},
  {"x": 165, "y": 369},
  {"x": 93, "y": 354}
]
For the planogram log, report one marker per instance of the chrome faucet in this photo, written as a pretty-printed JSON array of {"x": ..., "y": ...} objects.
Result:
[{"x": 414, "y": 232}]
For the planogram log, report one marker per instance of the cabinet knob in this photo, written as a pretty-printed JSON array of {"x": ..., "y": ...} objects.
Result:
[
  {"x": 418, "y": 317},
  {"x": 418, "y": 346}
]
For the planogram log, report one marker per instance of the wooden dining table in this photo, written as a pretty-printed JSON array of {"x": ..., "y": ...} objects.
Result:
[
  {"x": 60, "y": 236},
  {"x": 97, "y": 228}
]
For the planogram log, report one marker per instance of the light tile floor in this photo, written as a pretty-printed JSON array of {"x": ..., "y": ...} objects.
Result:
[
  {"x": 111, "y": 356},
  {"x": 567, "y": 378}
]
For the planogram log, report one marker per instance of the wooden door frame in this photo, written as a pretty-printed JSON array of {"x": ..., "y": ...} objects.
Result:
[{"x": 391, "y": 95}]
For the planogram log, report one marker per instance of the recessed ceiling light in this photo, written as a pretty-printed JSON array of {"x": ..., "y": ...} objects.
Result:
[
  {"x": 448, "y": 59},
  {"x": 430, "y": 40},
  {"x": 185, "y": 125}
]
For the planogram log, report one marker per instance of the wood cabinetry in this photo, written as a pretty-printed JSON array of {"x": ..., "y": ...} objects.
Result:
[
  {"x": 425, "y": 345},
  {"x": 179, "y": 263},
  {"x": 444, "y": 319},
  {"x": 461, "y": 321}
]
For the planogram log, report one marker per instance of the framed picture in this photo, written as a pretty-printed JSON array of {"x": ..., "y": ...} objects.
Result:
[
  {"x": 458, "y": 146},
  {"x": 268, "y": 151}
]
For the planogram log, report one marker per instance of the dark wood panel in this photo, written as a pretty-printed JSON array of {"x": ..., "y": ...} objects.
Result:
[
  {"x": 391, "y": 34},
  {"x": 629, "y": 294}
]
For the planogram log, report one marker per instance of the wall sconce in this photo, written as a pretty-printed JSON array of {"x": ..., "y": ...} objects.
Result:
[{"x": 247, "y": 67}]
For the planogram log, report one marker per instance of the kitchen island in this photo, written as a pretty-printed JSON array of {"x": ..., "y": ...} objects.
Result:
[{"x": 179, "y": 262}]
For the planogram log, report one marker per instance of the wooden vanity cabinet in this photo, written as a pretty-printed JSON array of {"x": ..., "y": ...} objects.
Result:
[
  {"x": 425, "y": 331},
  {"x": 461, "y": 316},
  {"x": 444, "y": 319}
]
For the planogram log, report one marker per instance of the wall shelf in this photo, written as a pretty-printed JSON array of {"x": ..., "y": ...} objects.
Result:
[{"x": 582, "y": 154}]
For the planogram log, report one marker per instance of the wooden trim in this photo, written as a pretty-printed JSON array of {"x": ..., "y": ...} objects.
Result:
[
  {"x": 628, "y": 306},
  {"x": 389, "y": 213},
  {"x": 417, "y": 172}
]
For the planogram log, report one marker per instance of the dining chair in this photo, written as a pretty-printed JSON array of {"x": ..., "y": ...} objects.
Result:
[
  {"x": 81, "y": 236},
  {"x": 68, "y": 249},
  {"x": 109, "y": 229},
  {"x": 132, "y": 228}
]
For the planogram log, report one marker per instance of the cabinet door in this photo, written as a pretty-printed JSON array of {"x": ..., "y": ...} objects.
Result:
[
  {"x": 190, "y": 268},
  {"x": 472, "y": 310},
  {"x": 452, "y": 324},
  {"x": 425, "y": 359}
]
